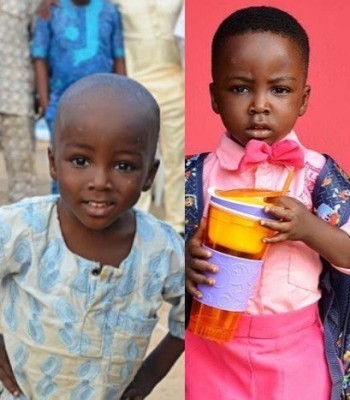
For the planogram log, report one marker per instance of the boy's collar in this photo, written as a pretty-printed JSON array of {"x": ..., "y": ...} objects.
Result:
[{"x": 230, "y": 153}]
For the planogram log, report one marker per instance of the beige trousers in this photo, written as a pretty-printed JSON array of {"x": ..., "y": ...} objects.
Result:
[{"x": 17, "y": 143}]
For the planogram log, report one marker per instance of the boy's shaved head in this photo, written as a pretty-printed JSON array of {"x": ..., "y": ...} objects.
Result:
[
  {"x": 262, "y": 19},
  {"x": 115, "y": 95}
]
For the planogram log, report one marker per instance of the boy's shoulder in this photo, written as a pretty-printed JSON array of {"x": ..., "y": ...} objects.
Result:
[
  {"x": 159, "y": 233},
  {"x": 194, "y": 161},
  {"x": 331, "y": 193},
  {"x": 31, "y": 211},
  {"x": 30, "y": 202}
]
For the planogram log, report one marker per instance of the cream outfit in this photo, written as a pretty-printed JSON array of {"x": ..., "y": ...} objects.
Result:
[{"x": 153, "y": 59}]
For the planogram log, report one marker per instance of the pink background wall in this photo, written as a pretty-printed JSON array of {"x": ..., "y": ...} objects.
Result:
[{"x": 326, "y": 125}]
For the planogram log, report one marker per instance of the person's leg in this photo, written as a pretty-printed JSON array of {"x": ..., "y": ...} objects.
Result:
[{"x": 18, "y": 146}]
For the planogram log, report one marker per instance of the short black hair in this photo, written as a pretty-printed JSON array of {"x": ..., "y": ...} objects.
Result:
[{"x": 262, "y": 19}]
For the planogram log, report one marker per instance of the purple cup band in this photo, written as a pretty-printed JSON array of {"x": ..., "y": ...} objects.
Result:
[
  {"x": 234, "y": 281},
  {"x": 247, "y": 209}
]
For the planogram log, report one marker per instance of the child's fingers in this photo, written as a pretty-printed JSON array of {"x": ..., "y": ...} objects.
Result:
[
  {"x": 192, "y": 289},
  {"x": 199, "y": 252},
  {"x": 282, "y": 201},
  {"x": 279, "y": 212},
  {"x": 200, "y": 265},
  {"x": 199, "y": 278},
  {"x": 278, "y": 226},
  {"x": 8, "y": 380},
  {"x": 191, "y": 284},
  {"x": 201, "y": 228},
  {"x": 132, "y": 394},
  {"x": 280, "y": 237},
  {"x": 7, "y": 376},
  {"x": 199, "y": 233},
  {"x": 196, "y": 276}
]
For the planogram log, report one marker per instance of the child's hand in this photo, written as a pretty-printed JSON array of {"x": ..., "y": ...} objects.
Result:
[
  {"x": 132, "y": 393},
  {"x": 196, "y": 262},
  {"x": 293, "y": 219},
  {"x": 6, "y": 374},
  {"x": 44, "y": 9}
]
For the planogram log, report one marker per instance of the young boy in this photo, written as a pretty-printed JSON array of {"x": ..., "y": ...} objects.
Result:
[
  {"x": 153, "y": 59},
  {"x": 83, "y": 37},
  {"x": 260, "y": 61},
  {"x": 84, "y": 274}
]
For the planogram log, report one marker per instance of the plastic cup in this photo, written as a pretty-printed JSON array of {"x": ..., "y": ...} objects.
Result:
[
  {"x": 234, "y": 222},
  {"x": 234, "y": 236},
  {"x": 213, "y": 323}
]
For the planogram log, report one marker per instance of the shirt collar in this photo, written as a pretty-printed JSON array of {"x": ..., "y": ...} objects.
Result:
[{"x": 230, "y": 153}]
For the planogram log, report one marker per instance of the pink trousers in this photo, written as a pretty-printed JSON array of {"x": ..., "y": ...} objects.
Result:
[{"x": 272, "y": 357}]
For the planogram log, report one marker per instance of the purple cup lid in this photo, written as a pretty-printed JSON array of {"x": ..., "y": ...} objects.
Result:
[{"x": 244, "y": 209}]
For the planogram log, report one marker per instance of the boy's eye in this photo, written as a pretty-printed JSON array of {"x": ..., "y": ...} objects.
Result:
[
  {"x": 80, "y": 162},
  {"x": 281, "y": 90},
  {"x": 124, "y": 166},
  {"x": 240, "y": 89}
]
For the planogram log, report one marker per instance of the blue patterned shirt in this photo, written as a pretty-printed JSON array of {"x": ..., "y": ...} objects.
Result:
[
  {"x": 77, "y": 41},
  {"x": 71, "y": 333}
]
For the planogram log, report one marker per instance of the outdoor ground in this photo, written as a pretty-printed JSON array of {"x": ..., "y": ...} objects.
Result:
[{"x": 172, "y": 387}]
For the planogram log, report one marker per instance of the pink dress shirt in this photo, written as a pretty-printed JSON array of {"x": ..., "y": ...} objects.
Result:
[{"x": 290, "y": 275}]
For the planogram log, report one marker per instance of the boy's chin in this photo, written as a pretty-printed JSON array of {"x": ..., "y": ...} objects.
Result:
[
  {"x": 237, "y": 140},
  {"x": 271, "y": 139}
]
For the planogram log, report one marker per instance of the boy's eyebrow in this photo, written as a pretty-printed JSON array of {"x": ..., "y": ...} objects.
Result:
[
  {"x": 78, "y": 144},
  {"x": 88, "y": 147},
  {"x": 282, "y": 78},
  {"x": 249, "y": 80}
]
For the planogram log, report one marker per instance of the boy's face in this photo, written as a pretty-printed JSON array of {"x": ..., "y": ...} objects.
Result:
[
  {"x": 102, "y": 161},
  {"x": 259, "y": 86}
]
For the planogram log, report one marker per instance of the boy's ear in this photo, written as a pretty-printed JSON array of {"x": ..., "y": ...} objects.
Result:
[
  {"x": 52, "y": 164},
  {"x": 151, "y": 175},
  {"x": 214, "y": 105},
  {"x": 306, "y": 96}
]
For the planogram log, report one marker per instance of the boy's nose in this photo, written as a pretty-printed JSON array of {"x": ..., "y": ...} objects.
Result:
[
  {"x": 100, "y": 180},
  {"x": 259, "y": 105}
]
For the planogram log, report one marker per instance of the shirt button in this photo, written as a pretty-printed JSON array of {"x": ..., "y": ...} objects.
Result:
[{"x": 95, "y": 272}]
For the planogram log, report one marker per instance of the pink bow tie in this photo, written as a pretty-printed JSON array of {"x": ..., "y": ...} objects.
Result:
[{"x": 286, "y": 152}]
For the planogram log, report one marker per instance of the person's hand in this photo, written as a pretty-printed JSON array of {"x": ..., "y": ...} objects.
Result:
[
  {"x": 6, "y": 374},
  {"x": 138, "y": 388},
  {"x": 42, "y": 111},
  {"x": 196, "y": 263},
  {"x": 44, "y": 9},
  {"x": 293, "y": 218},
  {"x": 132, "y": 393}
]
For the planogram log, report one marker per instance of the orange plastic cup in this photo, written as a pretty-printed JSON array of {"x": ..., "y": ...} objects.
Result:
[
  {"x": 237, "y": 230},
  {"x": 213, "y": 323},
  {"x": 237, "y": 233}
]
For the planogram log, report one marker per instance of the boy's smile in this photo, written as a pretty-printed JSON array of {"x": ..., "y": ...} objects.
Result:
[{"x": 259, "y": 86}]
